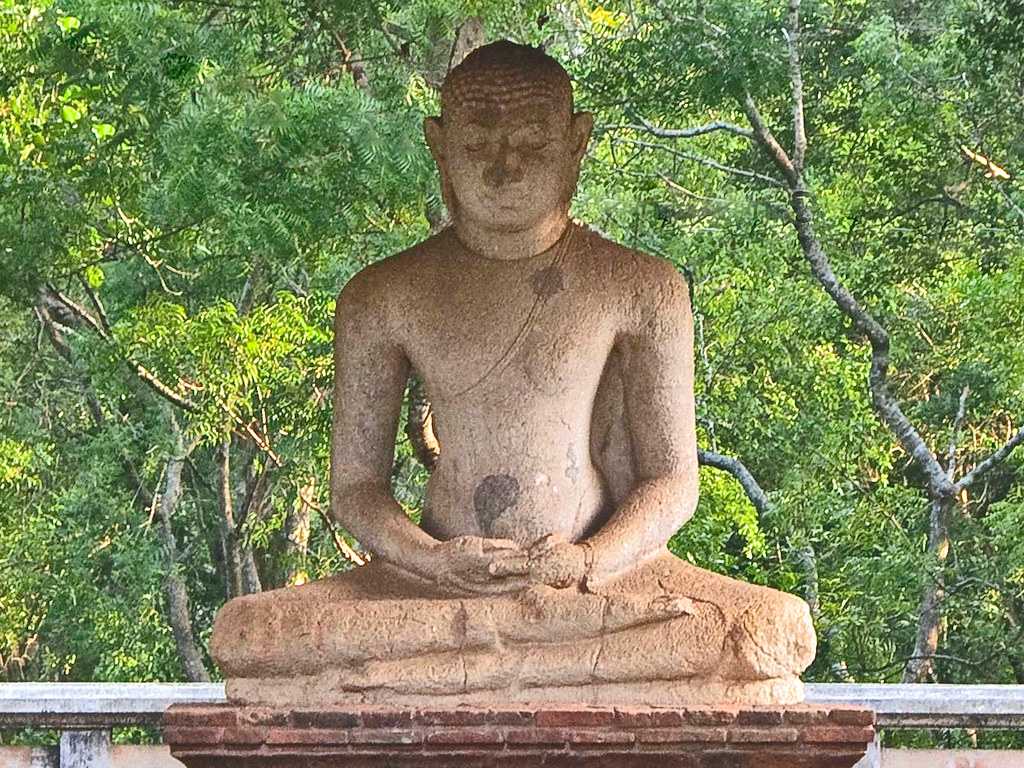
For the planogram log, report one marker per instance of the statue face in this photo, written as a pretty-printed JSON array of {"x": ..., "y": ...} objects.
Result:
[{"x": 508, "y": 166}]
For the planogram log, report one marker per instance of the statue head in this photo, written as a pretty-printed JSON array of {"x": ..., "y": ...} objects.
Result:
[{"x": 507, "y": 144}]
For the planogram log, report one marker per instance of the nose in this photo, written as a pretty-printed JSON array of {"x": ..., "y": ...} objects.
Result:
[{"x": 505, "y": 168}]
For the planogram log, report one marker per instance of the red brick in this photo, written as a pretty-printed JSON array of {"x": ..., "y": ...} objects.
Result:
[
  {"x": 184, "y": 734},
  {"x": 682, "y": 735},
  {"x": 241, "y": 734},
  {"x": 324, "y": 718},
  {"x": 763, "y": 735},
  {"x": 805, "y": 715},
  {"x": 710, "y": 716},
  {"x": 386, "y": 718},
  {"x": 284, "y": 736},
  {"x": 601, "y": 736},
  {"x": 202, "y": 714},
  {"x": 835, "y": 734},
  {"x": 538, "y": 735},
  {"x": 263, "y": 716},
  {"x": 453, "y": 717},
  {"x": 511, "y": 717},
  {"x": 759, "y": 717},
  {"x": 649, "y": 718},
  {"x": 574, "y": 718},
  {"x": 852, "y": 716},
  {"x": 384, "y": 736},
  {"x": 476, "y": 736}
]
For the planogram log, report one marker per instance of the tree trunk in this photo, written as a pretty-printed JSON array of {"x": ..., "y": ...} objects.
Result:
[
  {"x": 921, "y": 665},
  {"x": 177, "y": 593},
  {"x": 232, "y": 552}
]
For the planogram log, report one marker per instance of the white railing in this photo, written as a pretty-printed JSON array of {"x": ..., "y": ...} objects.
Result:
[{"x": 84, "y": 713}]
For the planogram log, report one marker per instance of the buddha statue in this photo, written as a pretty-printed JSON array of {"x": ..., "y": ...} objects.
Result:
[{"x": 560, "y": 369}]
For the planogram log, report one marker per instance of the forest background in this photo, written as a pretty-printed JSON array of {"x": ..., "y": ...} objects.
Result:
[{"x": 185, "y": 186}]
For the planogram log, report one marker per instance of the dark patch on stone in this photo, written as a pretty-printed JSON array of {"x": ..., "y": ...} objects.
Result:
[
  {"x": 494, "y": 495},
  {"x": 548, "y": 281}
]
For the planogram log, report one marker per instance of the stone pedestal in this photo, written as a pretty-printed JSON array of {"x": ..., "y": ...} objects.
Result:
[{"x": 801, "y": 736}]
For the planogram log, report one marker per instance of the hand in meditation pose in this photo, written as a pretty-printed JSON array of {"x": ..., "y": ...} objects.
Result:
[{"x": 559, "y": 366}]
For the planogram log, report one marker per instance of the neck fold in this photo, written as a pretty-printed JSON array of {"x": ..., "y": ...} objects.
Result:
[{"x": 512, "y": 245}]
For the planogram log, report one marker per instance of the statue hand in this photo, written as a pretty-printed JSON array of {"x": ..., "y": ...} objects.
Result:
[
  {"x": 472, "y": 565},
  {"x": 550, "y": 560}
]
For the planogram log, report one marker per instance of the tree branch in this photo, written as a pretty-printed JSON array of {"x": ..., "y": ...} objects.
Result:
[
  {"x": 684, "y": 133},
  {"x": 994, "y": 459},
  {"x": 177, "y": 591},
  {"x": 767, "y": 140},
  {"x": 52, "y": 294},
  {"x": 796, "y": 81},
  {"x": 885, "y": 405},
  {"x": 958, "y": 421},
  {"x": 97, "y": 305},
  {"x": 339, "y": 543},
  {"x": 705, "y": 161},
  {"x": 737, "y": 469}
]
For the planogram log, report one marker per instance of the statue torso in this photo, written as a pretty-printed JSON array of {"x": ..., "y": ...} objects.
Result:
[{"x": 512, "y": 355}]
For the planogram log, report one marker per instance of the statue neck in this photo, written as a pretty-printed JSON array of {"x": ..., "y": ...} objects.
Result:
[{"x": 511, "y": 245}]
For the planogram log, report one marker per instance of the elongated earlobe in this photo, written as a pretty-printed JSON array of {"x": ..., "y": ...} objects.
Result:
[
  {"x": 433, "y": 131},
  {"x": 581, "y": 127}
]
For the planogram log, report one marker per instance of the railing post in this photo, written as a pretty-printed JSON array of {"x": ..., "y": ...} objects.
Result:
[
  {"x": 85, "y": 748},
  {"x": 873, "y": 758}
]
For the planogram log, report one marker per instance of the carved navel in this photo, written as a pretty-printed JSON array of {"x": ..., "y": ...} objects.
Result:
[{"x": 494, "y": 495}]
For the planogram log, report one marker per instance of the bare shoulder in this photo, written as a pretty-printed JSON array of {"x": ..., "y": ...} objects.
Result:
[
  {"x": 639, "y": 279},
  {"x": 371, "y": 292}
]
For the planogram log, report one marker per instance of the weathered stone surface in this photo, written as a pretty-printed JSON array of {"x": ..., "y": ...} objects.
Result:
[
  {"x": 582, "y": 737},
  {"x": 559, "y": 366}
]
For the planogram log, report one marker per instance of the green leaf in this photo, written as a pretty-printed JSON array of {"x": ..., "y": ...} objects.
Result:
[
  {"x": 103, "y": 131},
  {"x": 69, "y": 24},
  {"x": 69, "y": 114},
  {"x": 94, "y": 276}
]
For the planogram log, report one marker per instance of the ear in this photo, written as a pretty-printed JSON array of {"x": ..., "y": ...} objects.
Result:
[
  {"x": 580, "y": 127},
  {"x": 433, "y": 130}
]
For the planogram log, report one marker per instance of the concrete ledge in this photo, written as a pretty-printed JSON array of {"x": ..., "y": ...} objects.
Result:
[{"x": 69, "y": 705}]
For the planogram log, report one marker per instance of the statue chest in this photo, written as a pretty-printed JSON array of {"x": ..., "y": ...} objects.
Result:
[{"x": 501, "y": 332}]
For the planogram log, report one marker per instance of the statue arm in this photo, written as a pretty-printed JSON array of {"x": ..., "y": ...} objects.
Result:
[
  {"x": 656, "y": 345},
  {"x": 370, "y": 374}
]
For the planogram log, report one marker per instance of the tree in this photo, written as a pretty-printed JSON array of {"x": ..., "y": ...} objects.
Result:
[{"x": 186, "y": 186}]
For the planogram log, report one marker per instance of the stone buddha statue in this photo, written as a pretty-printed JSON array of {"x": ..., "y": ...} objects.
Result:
[{"x": 560, "y": 369}]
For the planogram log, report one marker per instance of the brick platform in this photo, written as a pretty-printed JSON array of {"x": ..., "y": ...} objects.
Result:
[{"x": 225, "y": 736}]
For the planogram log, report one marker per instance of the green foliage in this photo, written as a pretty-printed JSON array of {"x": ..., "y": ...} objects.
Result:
[{"x": 213, "y": 173}]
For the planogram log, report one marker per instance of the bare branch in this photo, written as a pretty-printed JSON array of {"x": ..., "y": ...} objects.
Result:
[
  {"x": 958, "y": 422},
  {"x": 993, "y": 460},
  {"x": 177, "y": 591},
  {"x": 683, "y": 133},
  {"x": 229, "y": 533},
  {"x": 76, "y": 309},
  {"x": 767, "y": 140},
  {"x": 470, "y": 35},
  {"x": 168, "y": 393},
  {"x": 705, "y": 161},
  {"x": 339, "y": 543},
  {"x": 676, "y": 187},
  {"x": 97, "y": 305},
  {"x": 150, "y": 379},
  {"x": 419, "y": 425},
  {"x": 882, "y": 399},
  {"x": 885, "y": 404},
  {"x": 796, "y": 81},
  {"x": 737, "y": 469}
]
